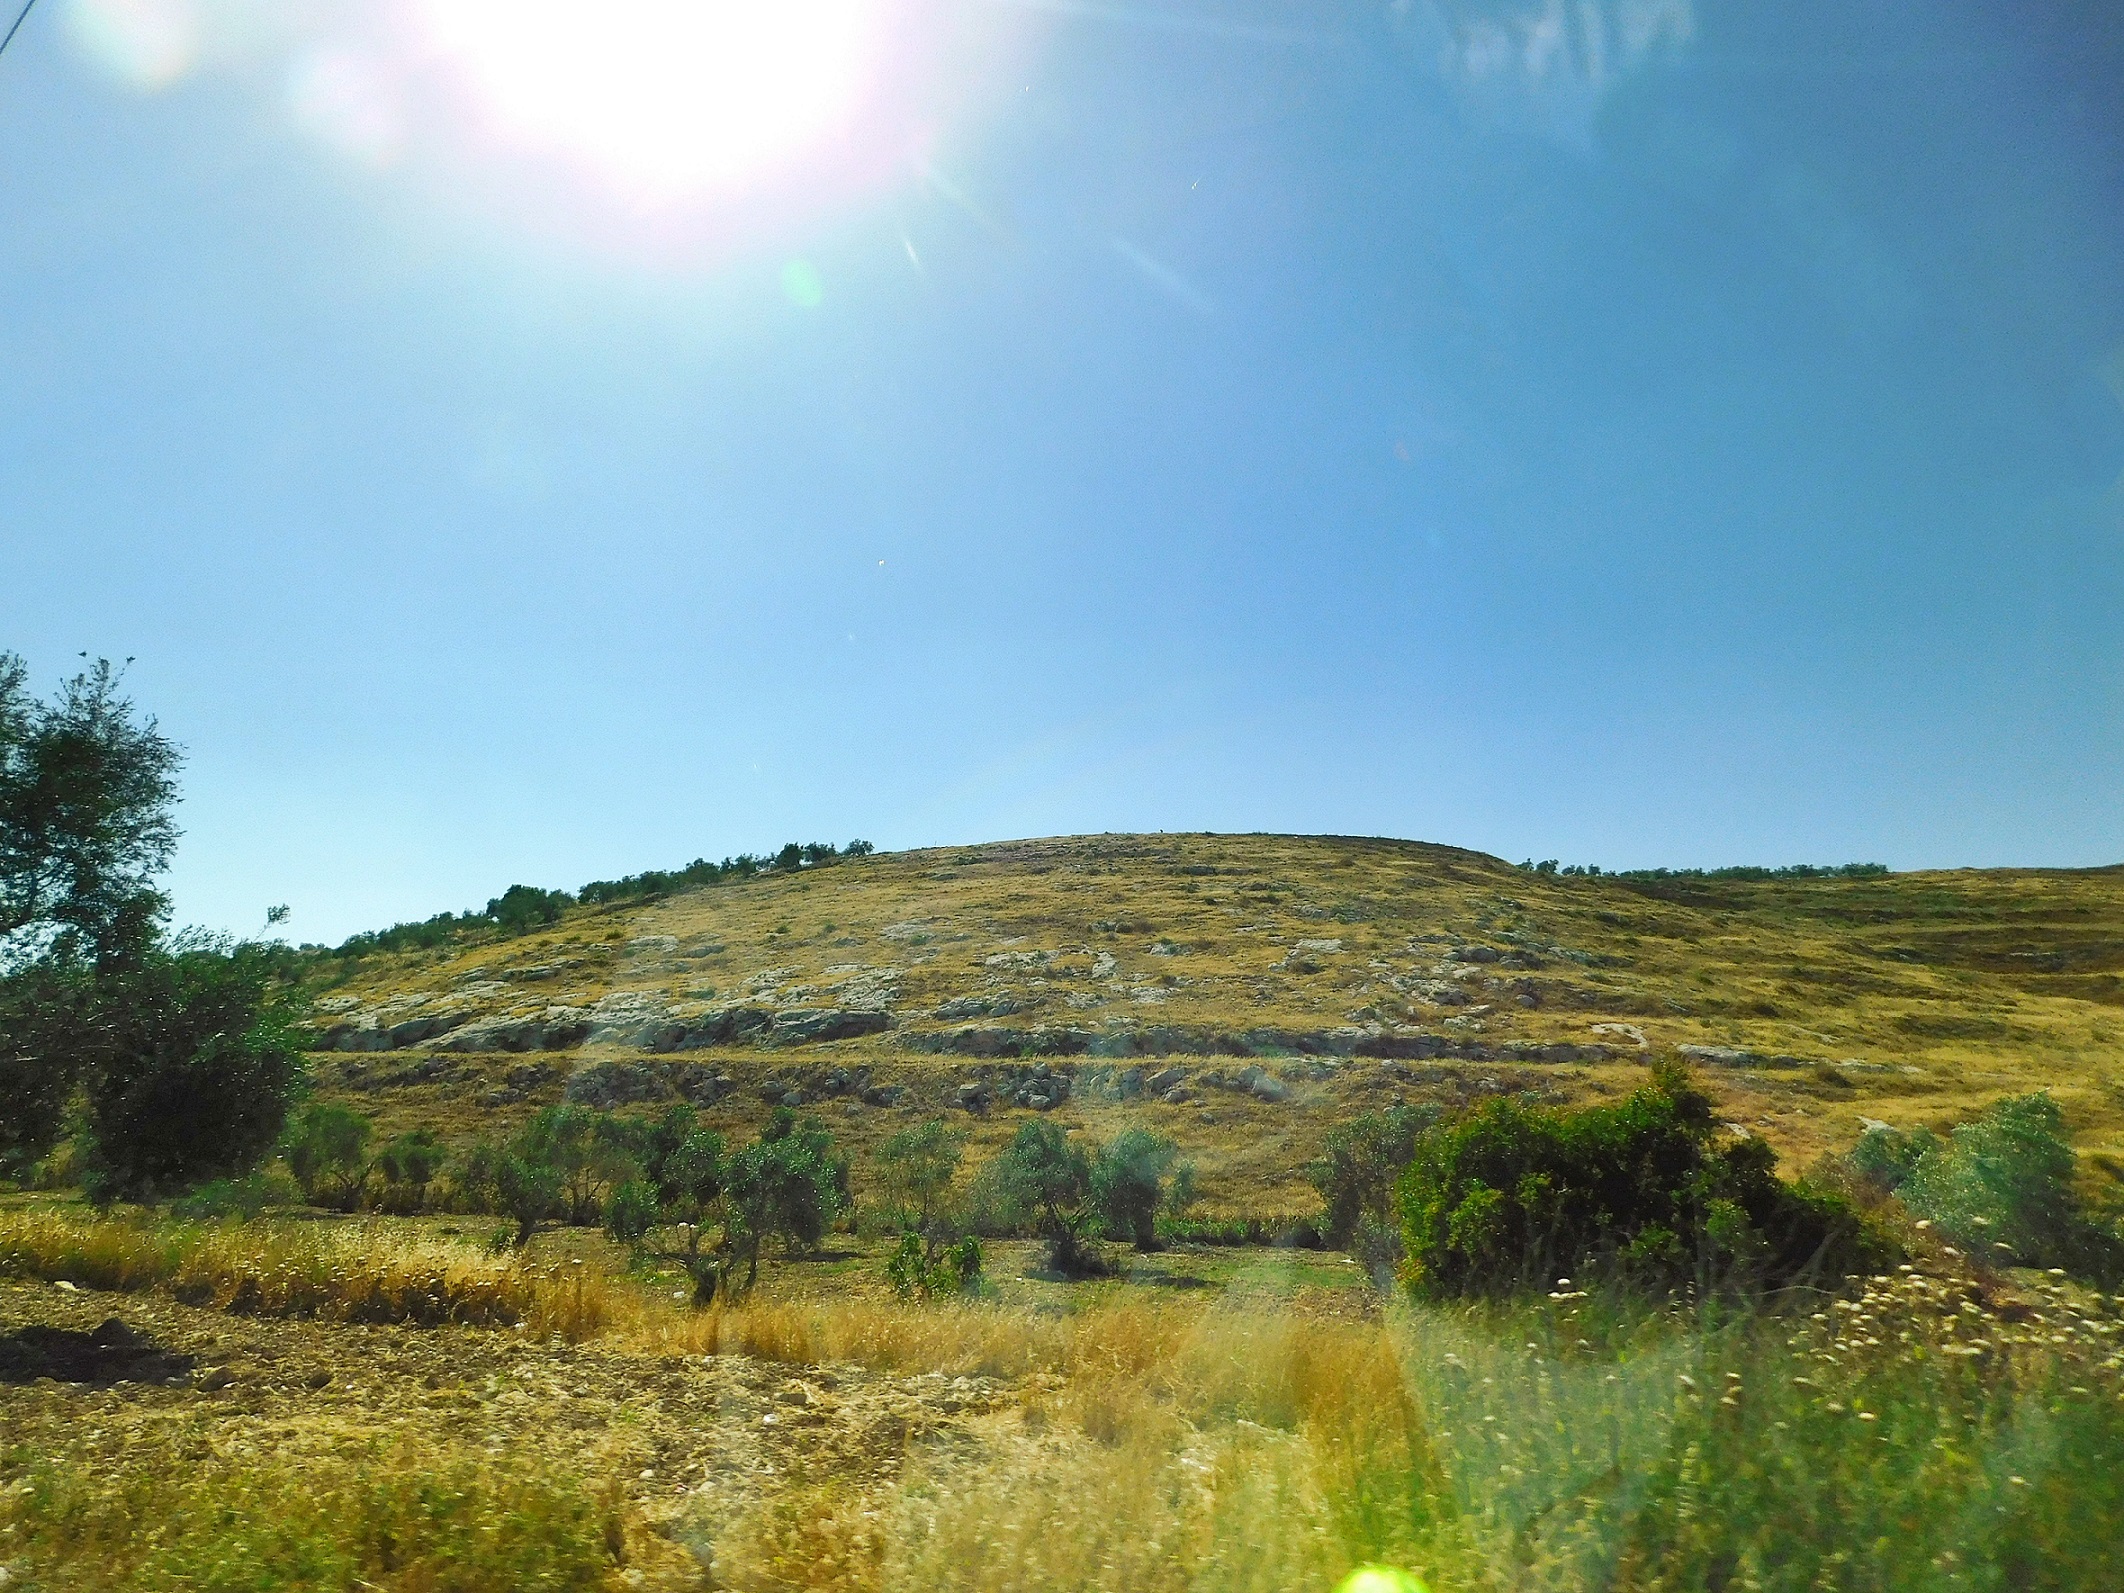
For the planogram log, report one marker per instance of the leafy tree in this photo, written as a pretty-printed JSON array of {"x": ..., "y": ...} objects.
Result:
[
  {"x": 47, "y": 1028},
  {"x": 189, "y": 1068},
  {"x": 587, "y": 1151},
  {"x": 522, "y": 908},
  {"x": 1050, "y": 1179},
  {"x": 526, "y": 1190},
  {"x": 915, "y": 1170},
  {"x": 328, "y": 1152},
  {"x": 682, "y": 1172},
  {"x": 790, "y": 858},
  {"x": 86, "y": 799},
  {"x": 1128, "y": 1179},
  {"x": 185, "y": 1062},
  {"x": 786, "y": 1185},
  {"x": 411, "y": 1161},
  {"x": 1357, "y": 1166}
]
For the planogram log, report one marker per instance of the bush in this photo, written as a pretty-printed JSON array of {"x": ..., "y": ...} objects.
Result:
[
  {"x": 1509, "y": 1196},
  {"x": 193, "y": 1071},
  {"x": 409, "y": 1165},
  {"x": 327, "y": 1151},
  {"x": 918, "y": 1273},
  {"x": 1357, "y": 1166},
  {"x": 1885, "y": 1157},
  {"x": 632, "y": 1211},
  {"x": 916, "y": 1169},
  {"x": 243, "y": 1198},
  {"x": 2001, "y": 1187}
]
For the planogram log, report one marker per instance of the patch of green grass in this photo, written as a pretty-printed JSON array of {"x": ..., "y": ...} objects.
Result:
[{"x": 218, "y": 1528}]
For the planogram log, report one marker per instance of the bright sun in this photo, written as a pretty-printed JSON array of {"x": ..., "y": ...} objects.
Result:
[{"x": 666, "y": 99}]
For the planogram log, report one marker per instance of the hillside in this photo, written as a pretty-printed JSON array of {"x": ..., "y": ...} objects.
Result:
[{"x": 1243, "y": 993}]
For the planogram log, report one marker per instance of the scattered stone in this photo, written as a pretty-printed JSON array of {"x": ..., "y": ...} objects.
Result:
[
  {"x": 1732, "y": 1056},
  {"x": 605, "y": 1085}
]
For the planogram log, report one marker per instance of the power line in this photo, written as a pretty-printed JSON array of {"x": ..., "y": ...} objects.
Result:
[{"x": 20, "y": 17}]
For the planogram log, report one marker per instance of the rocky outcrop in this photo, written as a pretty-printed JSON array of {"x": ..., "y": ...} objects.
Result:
[
  {"x": 606, "y": 1083},
  {"x": 811, "y": 1025},
  {"x": 1347, "y": 1040},
  {"x": 629, "y": 1020},
  {"x": 1732, "y": 1056}
]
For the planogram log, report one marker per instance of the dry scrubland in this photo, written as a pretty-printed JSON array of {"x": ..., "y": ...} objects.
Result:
[
  {"x": 1222, "y": 1420},
  {"x": 339, "y": 1403},
  {"x": 1911, "y": 999}
]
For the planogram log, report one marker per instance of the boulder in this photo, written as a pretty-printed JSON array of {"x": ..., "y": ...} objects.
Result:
[{"x": 808, "y": 1025}]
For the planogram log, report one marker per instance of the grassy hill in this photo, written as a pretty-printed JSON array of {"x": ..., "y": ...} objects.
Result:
[{"x": 1244, "y": 993}]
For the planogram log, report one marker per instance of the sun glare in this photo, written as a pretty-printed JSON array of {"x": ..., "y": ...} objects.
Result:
[{"x": 664, "y": 99}]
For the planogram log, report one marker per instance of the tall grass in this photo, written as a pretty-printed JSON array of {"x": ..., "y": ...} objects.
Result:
[
  {"x": 339, "y": 1273},
  {"x": 235, "y": 1529},
  {"x": 1912, "y": 1435},
  {"x": 1907, "y": 1438}
]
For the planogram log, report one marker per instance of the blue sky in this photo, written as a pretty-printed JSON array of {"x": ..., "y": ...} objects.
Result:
[{"x": 1639, "y": 432}]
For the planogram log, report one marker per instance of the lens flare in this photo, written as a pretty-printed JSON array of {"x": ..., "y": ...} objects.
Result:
[
  {"x": 665, "y": 100},
  {"x": 147, "y": 43}
]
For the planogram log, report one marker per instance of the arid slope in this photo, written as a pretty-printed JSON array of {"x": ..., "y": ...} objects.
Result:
[{"x": 1243, "y": 993}]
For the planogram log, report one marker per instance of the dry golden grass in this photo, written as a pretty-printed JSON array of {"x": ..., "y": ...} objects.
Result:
[
  {"x": 333, "y": 1272},
  {"x": 1206, "y": 1442}
]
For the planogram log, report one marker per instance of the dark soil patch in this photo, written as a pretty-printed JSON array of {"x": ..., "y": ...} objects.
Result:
[{"x": 114, "y": 1353}]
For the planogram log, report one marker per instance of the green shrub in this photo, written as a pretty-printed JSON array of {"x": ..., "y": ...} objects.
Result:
[
  {"x": 409, "y": 1165},
  {"x": 632, "y": 1211},
  {"x": 916, "y": 1170},
  {"x": 2002, "y": 1188},
  {"x": 1128, "y": 1185},
  {"x": 1358, "y": 1164},
  {"x": 1885, "y": 1157},
  {"x": 236, "y": 1197},
  {"x": 191, "y": 1070},
  {"x": 1509, "y": 1196},
  {"x": 919, "y": 1273},
  {"x": 1046, "y": 1182},
  {"x": 327, "y": 1151}
]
